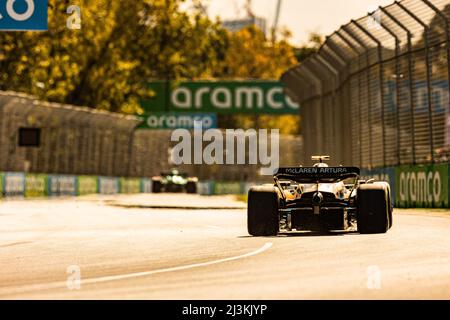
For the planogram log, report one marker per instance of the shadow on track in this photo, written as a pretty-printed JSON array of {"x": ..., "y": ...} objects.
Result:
[
  {"x": 305, "y": 234},
  {"x": 317, "y": 233}
]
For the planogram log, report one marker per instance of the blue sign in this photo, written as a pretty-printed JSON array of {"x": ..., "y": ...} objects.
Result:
[
  {"x": 23, "y": 15},
  {"x": 439, "y": 96},
  {"x": 174, "y": 120},
  {"x": 14, "y": 184},
  {"x": 62, "y": 185}
]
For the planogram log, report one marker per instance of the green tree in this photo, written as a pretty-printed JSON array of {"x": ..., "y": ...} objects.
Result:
[
  {"x": 107, "y": 63},
  {"x": 251, "y": 56},
  {"x": 123, "y": 44},
  {"x": 313, "y": 45}
]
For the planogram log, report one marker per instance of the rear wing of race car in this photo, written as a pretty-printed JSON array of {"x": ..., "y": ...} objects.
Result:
[{"x": 318, "y": 174}]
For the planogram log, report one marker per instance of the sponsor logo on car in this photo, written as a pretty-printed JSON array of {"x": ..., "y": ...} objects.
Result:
[{"x": 328, "y": 170}]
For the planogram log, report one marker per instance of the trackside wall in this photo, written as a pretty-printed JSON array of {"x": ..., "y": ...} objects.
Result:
[
  {"x": 421, "y": 186},
  {"x": 18, "y": 184}
]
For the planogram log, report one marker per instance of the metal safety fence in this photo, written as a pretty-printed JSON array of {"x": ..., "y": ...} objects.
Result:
[
  {"x": 87, "y": 142},
  {"x": 376, "y": 94}
]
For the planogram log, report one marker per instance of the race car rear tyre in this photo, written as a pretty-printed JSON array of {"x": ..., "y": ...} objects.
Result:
[
  {"x": 156, "y": 186},
  {"x": 373, "y": 208},
  {"x": 262, "y": 216},
  {"x": 191, "y": 187},
  {"x": 390, "y": 205}
]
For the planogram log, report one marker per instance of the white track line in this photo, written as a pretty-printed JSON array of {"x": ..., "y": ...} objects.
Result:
[
  {"x": 190, "y": 266},
  {"x": 137, "y": 274}
]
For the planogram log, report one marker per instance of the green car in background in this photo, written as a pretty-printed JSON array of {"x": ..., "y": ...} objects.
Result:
[{"x": 174, "y": 182}]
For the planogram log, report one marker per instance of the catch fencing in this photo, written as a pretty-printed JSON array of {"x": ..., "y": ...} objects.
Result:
[
  {"x": 87, "y": 142},
  {"x": 376, "y": 94}
]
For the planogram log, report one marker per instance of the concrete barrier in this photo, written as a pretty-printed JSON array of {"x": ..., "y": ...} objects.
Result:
[
  {"x": 62, "y": 185},
  {"x": 205, "y": 188},
  {"x": 14, "y": 184},
  {"x": 146, "y": 185},
  {"x": 224, "y": 188},
  {"x": 87, "y": 185},
  {"x": 130, "y": 186},
  {"x": 424, "y": 186},
  {"x": 108, "y": 185},
  {"x": 36, "y": 185}
]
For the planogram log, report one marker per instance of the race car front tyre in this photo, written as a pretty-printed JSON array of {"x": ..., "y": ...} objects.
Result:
[
  {"x": 373, "y": 208},
  {"x": 156, "y": 186},
  {"x": 191, "y": 187},
  {"x": 262, "y": 215}
]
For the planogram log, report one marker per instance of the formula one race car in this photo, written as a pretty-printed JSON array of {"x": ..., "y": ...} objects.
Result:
[
  {"x": 319, "y": 198},
  {"x": 174, "y": 182}
]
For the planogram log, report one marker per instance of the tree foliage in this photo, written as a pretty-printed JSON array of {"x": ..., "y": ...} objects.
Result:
[
  {"x": 122, "y": 44},
  {"x": 313, "y": 45},
  {"x": 251, "y": 56},
  {"x": 106, "y": 64}
]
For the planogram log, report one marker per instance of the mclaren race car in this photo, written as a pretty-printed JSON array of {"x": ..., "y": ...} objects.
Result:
[
  {"x": 174, "y": 182},
  {"x": 319, "y": 198}
]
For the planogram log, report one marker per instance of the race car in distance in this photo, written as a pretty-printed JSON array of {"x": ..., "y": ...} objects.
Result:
[
  {"x": 319, "y": 198},
  {"x": 174, "y": 182}
]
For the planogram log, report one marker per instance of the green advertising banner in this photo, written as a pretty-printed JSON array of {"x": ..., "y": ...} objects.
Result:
[
  {"x": 130, "y": 186},
  {"x": 222, "y": 188},
  {"x": 224, "y": 97},
  {"x": 422, "y": 186},
  {"x": 36, "y": 185},
  {"x": 87, "y": 185},
  {"x": 179, "y": 120}
]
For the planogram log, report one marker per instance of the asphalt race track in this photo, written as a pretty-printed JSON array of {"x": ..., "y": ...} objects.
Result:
[{"x": 130, "y": 247}]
